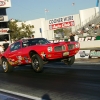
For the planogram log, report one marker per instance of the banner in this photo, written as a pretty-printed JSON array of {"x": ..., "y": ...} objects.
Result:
[
  {"x": 61, "y": 25},
  {"x": 83, "y": 54},
  {"x": 5, "y": 3}
]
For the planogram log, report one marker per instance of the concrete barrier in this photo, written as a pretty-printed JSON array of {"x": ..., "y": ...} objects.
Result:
[
  {"x": 85, "y": 45},
  {"x": 88, "y": 45}
]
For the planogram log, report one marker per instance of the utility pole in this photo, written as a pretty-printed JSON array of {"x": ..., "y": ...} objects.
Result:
[{"x": 46, "y": 22}]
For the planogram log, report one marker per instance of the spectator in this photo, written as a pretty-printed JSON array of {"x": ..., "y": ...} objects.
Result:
[
  {"x": 89, "y": 25},
  {"x": 76, "y": 37},
  {"x": 93, "y": 25},
  {"x": 83, "y": 30},
  {"x": 1, "y": 48},
  {"x": 97, "y": 26},
  {"x": 29, "y": 37},
  {"x": 72, "y": 37},
  {"x": 87, "y": 29},
  {"x": 32, "y": 36},
  {"x": 5, "y": 45},
  {"x": 66, "y": 38},
  {"x": 79, "y": 31}
]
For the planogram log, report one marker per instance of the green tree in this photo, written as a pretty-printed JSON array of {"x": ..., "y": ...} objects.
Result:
[{"x": 19, "y": 32}]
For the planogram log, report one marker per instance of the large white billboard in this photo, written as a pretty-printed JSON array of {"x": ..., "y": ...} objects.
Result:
[
  {"x": 62, "y": 22},
  {"x": 5, "y": 3}
]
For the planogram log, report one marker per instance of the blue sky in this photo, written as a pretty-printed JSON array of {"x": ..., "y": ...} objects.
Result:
[{"x": 34, "y": 9}]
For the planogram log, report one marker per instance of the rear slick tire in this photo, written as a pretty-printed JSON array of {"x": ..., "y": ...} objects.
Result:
[{"x": 7, "y": 68}]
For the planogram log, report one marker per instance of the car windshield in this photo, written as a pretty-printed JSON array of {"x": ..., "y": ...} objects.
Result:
[{"x": 36, "y": 41}]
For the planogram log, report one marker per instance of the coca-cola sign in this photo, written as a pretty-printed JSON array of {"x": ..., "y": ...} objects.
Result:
[{"x": 2, "y": 3}]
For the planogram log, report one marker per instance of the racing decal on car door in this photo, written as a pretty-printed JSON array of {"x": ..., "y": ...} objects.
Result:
[
  {"x": 19, "y": 60},
  {"x": 12, "y": 61}
]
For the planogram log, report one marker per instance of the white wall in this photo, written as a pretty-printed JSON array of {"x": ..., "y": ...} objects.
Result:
[
  {"x": 39, "y": 23},
  {"x": 89, "y": 44},
  {"x": 49, "y": 33},
  {"x": 77, "y": 22},
  {"x": 88, "y": 14}
]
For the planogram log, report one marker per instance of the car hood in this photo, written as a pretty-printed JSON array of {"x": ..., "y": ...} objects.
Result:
[{"x": 55, "y": 44}]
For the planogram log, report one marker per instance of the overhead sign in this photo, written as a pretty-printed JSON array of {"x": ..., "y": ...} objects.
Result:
[
  {"x": 5, "y": 3},
  {"x": 61, "y": 25},
  {"x": 2, "y": 3},
  {"x": 62, "y": 22}
]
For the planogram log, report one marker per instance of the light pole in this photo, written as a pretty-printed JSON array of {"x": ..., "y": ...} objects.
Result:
[{"x": 45, "y": 21}]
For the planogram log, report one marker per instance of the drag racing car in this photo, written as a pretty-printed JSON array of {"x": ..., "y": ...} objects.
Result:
[{"x": 37, "y": 52}]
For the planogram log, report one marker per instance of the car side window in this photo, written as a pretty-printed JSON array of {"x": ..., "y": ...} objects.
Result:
[
  {"x": 42, "y": 41},
  {"x": 28, "y": 43},
  {"x": 25, "y": 43},
  {"x": 15, "y": 46}
]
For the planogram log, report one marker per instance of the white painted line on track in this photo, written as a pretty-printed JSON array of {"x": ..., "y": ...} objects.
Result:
[
  {"x": 97, "y": 63},
  {"x": 20, "y": 94}
]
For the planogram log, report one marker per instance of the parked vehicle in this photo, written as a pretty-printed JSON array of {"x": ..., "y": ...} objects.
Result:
[{"x": 37, "y": 52}]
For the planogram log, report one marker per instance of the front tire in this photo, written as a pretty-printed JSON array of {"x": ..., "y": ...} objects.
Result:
[
  {"x": 70, "y": 61},
  {"x": 37, "y": 63},
  {"x": 7, "y": 68}
]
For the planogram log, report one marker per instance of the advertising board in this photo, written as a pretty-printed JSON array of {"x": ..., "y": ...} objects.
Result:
[
  {"x": 5, "y": 3},
  {"x": 4, "y": 30},
  {"x": 62, "y": 22},
  {"x": 88, "y": 54},
  {"x": 83, "y": 54}
]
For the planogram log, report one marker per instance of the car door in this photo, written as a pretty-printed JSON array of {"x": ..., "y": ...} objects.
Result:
[
  {"x": 25, "y": 49},
  {"x": 15, "y": 54}
]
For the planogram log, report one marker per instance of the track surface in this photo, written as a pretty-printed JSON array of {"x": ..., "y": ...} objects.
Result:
[{"x": 57, "y": 82}]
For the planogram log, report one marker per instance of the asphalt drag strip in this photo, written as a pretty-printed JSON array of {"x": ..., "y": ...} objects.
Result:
[{"x": 53, "y": 69}]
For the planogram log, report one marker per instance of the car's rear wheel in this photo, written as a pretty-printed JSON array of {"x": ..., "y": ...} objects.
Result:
[
  {"x": 37, "y": 63},
  {"x": 70, "y": 61},
  {"x": 7, "y": 68}
]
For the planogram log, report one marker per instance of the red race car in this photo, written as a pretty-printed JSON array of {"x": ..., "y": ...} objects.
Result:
[{"x": 37, "y": 52}]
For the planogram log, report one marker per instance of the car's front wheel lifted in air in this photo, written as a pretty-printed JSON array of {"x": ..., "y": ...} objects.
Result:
[
  {"x": 7, "y": 68},
  {"x": 37, "y": 63},
  {"x": 70, "y": 61}
]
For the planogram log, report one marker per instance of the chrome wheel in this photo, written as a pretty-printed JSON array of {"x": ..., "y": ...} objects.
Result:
[
  {"x": 5, "y": 66},
  {"x": 36, "y": 64}
]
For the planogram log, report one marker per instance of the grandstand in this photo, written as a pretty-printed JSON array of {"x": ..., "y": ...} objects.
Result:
[{"x": 92, "y": 26}]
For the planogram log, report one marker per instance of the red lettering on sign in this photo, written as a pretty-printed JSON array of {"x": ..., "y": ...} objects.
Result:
[
  {"x": 61, "y": 25},
  {"x": 3, "y": 31},
  {"x": 2, "y": 3}
]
